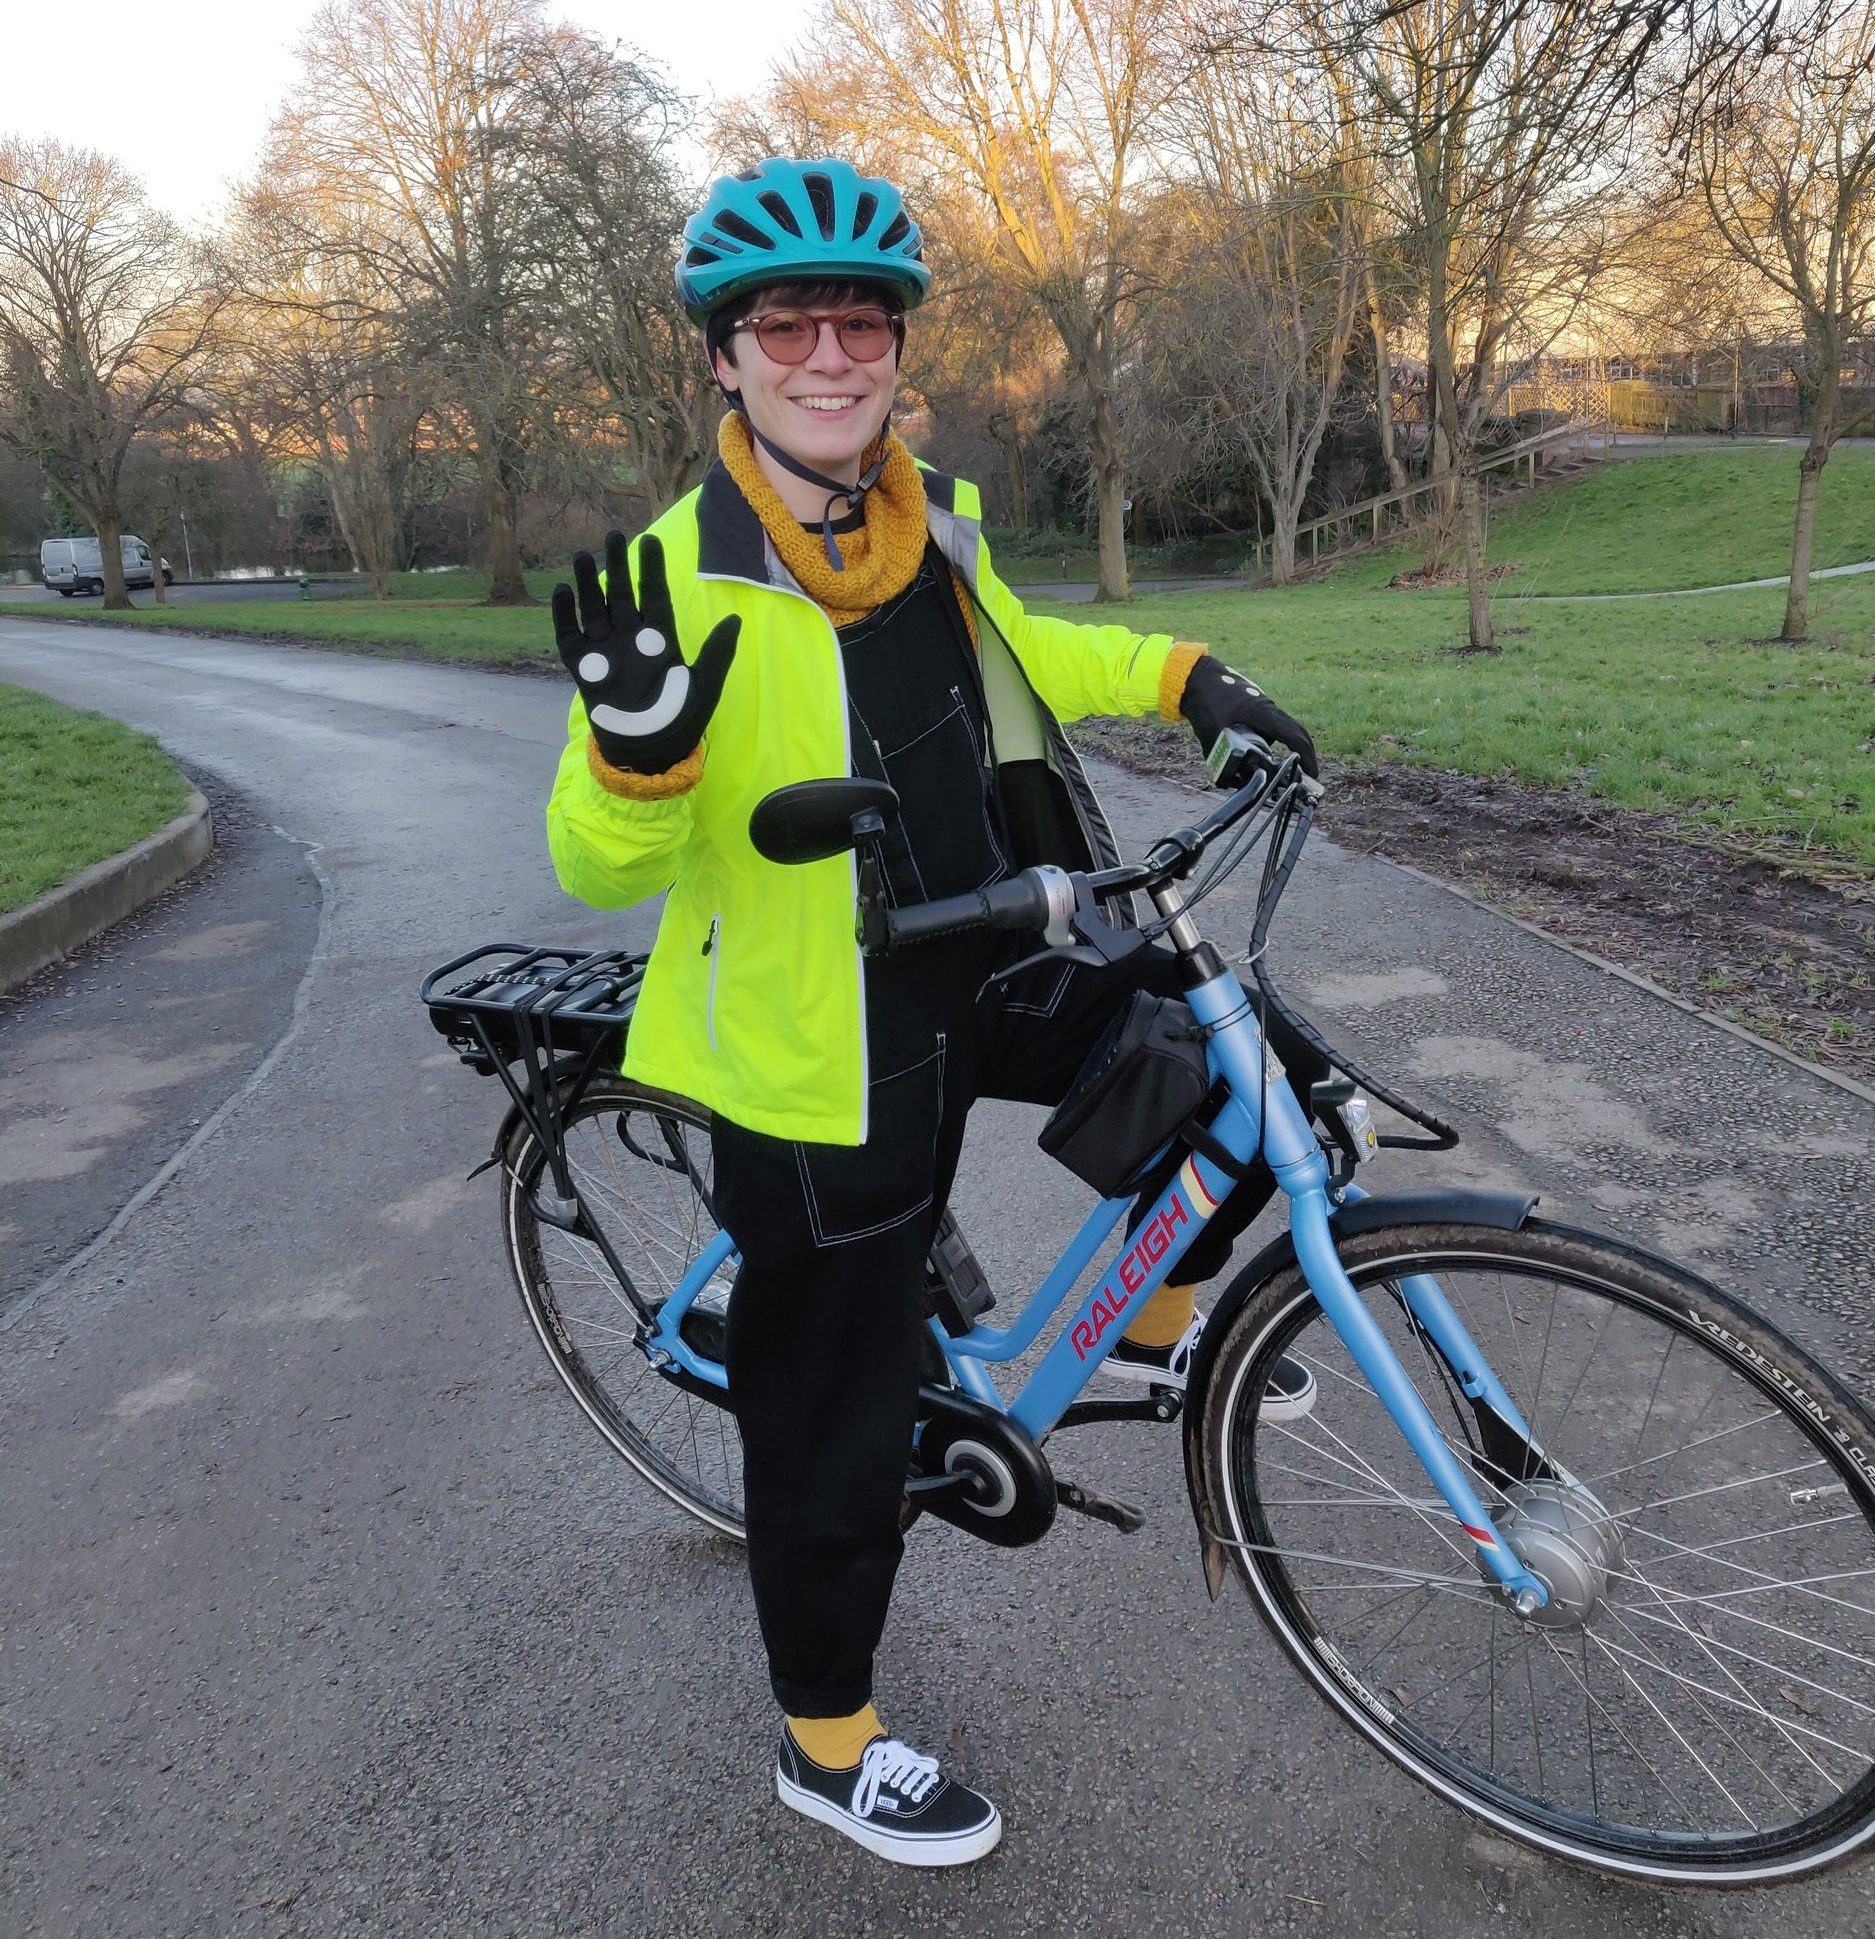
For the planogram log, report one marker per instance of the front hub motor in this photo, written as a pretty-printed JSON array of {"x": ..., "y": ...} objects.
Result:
[{"x": 1567, "y": 1540}]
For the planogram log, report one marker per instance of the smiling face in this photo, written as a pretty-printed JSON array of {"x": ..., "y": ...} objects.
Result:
[{"x": 825, "y": 411}]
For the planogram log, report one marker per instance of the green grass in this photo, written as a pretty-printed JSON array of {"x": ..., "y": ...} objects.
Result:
[
  {"x": 427, "y": 627},
  {"x": 1686, "y": 518},
  {"x": 1682, "y": 705},
  {"x": 74, "y": 788}
]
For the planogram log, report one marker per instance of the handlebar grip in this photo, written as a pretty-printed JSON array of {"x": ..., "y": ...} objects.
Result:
[{"x": 1019, "y": 903}]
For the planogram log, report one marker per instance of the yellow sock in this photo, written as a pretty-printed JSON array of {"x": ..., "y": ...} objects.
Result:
[
  {"x": 1163, "y": 1319},
  {"x": 835, "y": 1743}
]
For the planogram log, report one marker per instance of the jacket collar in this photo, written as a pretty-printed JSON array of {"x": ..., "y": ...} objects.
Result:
[{"x": 731, "y": 543}]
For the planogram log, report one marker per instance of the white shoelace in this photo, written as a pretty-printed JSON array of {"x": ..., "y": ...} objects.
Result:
[
  {"x": 1178, "y": 1362},
  {"x": 888, "y": 1762}
]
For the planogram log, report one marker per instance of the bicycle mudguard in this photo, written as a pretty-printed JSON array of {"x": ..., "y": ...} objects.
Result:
[{"x": 1498, "y": 1211}]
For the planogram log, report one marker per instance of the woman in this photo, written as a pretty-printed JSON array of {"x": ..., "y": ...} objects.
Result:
[{"x": 822, "y": 606}]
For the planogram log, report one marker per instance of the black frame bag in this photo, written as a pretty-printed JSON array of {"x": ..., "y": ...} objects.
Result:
[{"x": 1143, "y": 1081}]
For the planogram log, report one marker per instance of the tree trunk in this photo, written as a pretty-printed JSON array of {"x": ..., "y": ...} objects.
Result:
[
  {"x": 157, "y": 588},
  {"x": 1471, "y": 498},
  {"x": 1002, "y": 427},
  {"x": 111, "y": 554},
  {"x": 1109, "y": 482},
  {"x": 506, "y": 586},
  {"x": 1383, "y": 385},
  {"x": 1809, "y": 483},
  {"x": 1285, "y": 516}
]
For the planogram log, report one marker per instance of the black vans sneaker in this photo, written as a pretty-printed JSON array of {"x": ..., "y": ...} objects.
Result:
[
  {"x": 893, "y": 1801},
  {"x": 1289, "y": 1395}
]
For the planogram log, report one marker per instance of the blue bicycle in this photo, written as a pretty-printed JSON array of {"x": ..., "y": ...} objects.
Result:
[{"x": 1567, "y": 1532}]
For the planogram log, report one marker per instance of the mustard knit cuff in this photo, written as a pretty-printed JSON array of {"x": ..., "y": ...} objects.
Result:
[
  {"x": 645, "y": 787},
  {"x": 1172, "y": 677}
]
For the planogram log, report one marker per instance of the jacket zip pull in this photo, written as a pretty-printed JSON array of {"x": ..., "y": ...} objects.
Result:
[{"x": 710, "y": 950}]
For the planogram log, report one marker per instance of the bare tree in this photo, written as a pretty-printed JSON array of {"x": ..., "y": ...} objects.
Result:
[
  {"x": 603, "y": 129},
  {"x": 1279, "y": 264},
  {"x": 321, "y": 348},
  {"x": 1784, "y": 154},
  {"x": 1043, "y": 109},
  {"x": 104, "y": 314},
  {"x": 1501, "y": 123},
  {"x": 407, "y": 112},
  {"x": 983, "y": 360}
]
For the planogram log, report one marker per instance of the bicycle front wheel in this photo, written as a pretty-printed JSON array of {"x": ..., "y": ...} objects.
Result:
[
  {"x": 641, "y": 1159},
  {"x": 1696, "y": 1704}
]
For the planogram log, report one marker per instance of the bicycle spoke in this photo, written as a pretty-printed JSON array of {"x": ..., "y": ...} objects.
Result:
[
  {"x": 649, "y": 1198},
  {"x": 1672, "y": 1729},
  {"x": 1718, "y": 1724}
]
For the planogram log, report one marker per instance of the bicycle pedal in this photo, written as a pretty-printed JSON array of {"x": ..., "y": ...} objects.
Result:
[{"x": 1122, "y": 1514}]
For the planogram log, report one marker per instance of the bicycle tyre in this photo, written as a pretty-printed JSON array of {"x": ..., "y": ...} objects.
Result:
[
  {"x": 686, "y": 1446},
  {"x": 1789, "y": 1407}
]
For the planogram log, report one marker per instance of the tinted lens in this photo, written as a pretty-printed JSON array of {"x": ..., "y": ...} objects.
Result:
[
  {"x": 865, "y": 335},
  {"x": 787, "y": 336}
]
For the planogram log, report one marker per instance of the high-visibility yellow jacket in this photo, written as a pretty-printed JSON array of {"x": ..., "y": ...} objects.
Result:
[{"x": 754, "y": 999}]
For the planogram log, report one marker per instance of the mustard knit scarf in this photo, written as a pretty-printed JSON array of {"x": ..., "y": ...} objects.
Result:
[{"x": 881, "y": 556}]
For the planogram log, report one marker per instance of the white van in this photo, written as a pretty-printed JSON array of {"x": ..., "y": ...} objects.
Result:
[{"x": 77, "y": 565}]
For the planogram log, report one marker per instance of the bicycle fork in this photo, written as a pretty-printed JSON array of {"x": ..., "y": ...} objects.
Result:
[
  {"x": 1295, "y": 1158},
  {"x": 1360, "y": 1333}
]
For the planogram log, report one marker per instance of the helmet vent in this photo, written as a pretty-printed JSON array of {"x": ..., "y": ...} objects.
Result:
[
  {"x": 754, "y": 174},
  {"x": 733, "y": 226},
  {"x": 778, "y": 208},
  {"x": 695, "y": 256},
  {"x": 820, "y": 194},
  {"x": 900, "y": 228},
  {"x": 863, "y": 212}
]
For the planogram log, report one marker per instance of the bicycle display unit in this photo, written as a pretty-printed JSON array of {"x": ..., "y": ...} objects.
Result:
[{"x": 1567, "y": 1532}]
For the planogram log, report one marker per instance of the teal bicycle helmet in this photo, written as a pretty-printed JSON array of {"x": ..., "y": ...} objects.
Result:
[{"x": 795, "y": 222}]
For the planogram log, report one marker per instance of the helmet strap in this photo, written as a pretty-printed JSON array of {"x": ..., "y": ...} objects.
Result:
[{"x": 854, "y": 495}]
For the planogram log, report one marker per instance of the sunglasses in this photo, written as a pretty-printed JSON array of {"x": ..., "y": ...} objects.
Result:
[{"x": 791, "y": 336}]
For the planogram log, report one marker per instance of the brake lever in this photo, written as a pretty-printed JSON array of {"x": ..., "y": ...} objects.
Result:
[{"x": 1067, "y": 953}]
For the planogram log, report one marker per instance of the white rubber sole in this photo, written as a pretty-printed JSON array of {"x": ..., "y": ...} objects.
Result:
[
  {"x": 1268, "y": 1409},
  {"x": 960, "y": 1848}
]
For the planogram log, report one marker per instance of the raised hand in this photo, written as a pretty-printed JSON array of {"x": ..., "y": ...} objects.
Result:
[{"x": 646, "y": 708}]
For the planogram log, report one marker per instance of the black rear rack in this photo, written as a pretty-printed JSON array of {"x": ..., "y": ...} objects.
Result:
[
  {"x": 508, "y": 998},
  {"x": 560, "y": 1014}
]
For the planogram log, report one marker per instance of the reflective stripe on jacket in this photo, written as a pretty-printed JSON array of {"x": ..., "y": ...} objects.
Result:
[{"x": 753, "y": 1003}]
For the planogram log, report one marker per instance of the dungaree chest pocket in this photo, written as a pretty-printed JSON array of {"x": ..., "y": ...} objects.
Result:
[
  {"x": 943, "y": 843},
  {"x": 853, "y": 1191}
]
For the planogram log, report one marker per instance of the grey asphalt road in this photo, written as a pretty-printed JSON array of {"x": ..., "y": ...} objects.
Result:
[
  {"x": 325, "y": 1612},
  {"x": 111, "y": 1060}
]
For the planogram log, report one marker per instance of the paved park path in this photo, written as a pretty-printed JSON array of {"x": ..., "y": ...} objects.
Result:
[
  {"x": 324, "y": 1610},
  {"x": 1731, "y": 585}
]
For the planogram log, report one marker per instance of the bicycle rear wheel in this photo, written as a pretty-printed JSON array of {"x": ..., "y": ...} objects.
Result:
[
  {"x": 1697, "y": 1704},
  {"x": 641, "y": 1159}
]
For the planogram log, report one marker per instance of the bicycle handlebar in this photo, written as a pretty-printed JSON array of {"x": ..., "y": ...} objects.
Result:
[
  {"x": 1037, "y": 898},
  {"x": 1046, "y": 898}
]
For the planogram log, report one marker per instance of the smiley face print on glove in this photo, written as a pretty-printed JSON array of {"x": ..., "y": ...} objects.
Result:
[{"x": 645, "y": 705}]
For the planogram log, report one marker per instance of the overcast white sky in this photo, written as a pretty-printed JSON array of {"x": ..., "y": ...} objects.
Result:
[{"x": 192, "y": 119}]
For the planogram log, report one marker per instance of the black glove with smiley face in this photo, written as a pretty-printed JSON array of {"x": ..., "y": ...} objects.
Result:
[{"x": 645, "y": 706}]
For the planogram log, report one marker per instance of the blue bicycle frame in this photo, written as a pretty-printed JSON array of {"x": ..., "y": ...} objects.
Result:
[{"x": 1278, "y": 1128}]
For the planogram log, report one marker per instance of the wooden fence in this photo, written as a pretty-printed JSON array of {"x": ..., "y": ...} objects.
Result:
[{"x": 1364, "y": 523}]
